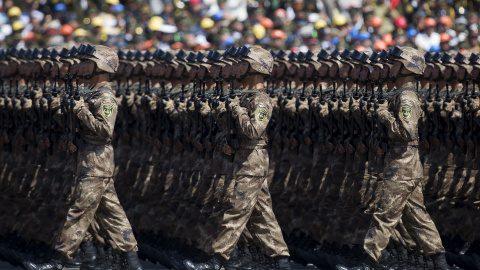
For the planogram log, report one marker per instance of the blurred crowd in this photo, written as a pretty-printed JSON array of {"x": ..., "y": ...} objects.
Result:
[{"x": 296, "y": 25}]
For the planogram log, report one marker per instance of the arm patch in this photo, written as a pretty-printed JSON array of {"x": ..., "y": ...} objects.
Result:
[
  {"x": 262, "y": 112},
  {"x": 107, "y": 107}
]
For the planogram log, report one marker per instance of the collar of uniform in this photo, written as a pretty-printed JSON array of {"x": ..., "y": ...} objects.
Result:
[
  {"x": 409, "y": 86},
  {"x": 101, "y": 85}
]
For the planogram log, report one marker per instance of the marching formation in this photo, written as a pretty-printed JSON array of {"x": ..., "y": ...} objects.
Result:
[{"x": 241, "y": 159}]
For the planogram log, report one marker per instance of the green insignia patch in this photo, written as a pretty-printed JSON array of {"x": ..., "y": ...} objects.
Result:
[
  {"x": 406, "y": 112},
  {"x": 262, "y": 114},
  {"x": 107, "y": 108}
]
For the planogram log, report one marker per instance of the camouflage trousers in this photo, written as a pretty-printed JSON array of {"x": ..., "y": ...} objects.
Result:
[
  {"x": 95, "y": 199},
  {"x": 250, "y": 206},
  {"x": 402, "y": 200}
]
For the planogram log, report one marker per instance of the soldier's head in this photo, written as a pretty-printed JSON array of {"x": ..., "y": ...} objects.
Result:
[
  {"x": 406, "y": 60},
  {"x": 256, "y": 63},
  {"x": 129, "y": 66},
  {"x": 345, "y": 65},
  {"x": 464, "y": 70},
  {"x": 407, "y": 63},
  {"x": 205, "y": 69},
  {"x": 97, "y": 63}
]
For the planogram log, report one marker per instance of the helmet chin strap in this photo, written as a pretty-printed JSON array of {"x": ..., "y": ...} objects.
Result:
[{"x": 93, "y": 74}]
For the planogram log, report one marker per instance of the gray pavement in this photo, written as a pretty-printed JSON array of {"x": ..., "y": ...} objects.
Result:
[{"x": 146, "y": 266}]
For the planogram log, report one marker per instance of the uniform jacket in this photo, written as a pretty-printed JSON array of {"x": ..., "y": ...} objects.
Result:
[
  {"x": 251, "y": 121},
  {"x": 97, "y": 121},
  {"x": 401, "y": 123}
]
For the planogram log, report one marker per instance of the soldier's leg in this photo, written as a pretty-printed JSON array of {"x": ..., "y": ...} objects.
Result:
[
  {"x": 236, "y": 215},
  {"x": 95, "y": 232},
  {"x": 387, "y": 215},
  {"x": 401, "y": 198},
  {"x": 87, "y": 196},
  {"x": 113, "y": 220},
  {"x": 417, "y": 220},
  {"x": 403, "y": 237},
  {"x": 264, "y": 226}
]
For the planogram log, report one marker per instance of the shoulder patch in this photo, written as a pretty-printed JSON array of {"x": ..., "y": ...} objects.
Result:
[
  {"x": 406, "y": 102},
  {"x": 406, "y": 112},
  {"x": 107, "y": 107},
  {"x": 262, "y": 112}
]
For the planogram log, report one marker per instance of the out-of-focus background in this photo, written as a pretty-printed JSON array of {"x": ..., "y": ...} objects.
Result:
[{"x": 296, "y": 25}]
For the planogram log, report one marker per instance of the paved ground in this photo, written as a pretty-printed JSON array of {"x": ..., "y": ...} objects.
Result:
[{"x": 146, "y": 266}]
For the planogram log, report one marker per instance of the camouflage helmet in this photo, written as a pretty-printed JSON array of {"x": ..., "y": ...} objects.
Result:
[
  {"x": 105, "y": 58},
  {"x": 411, "y": 59},
  {"x": 260, "y": 59}
]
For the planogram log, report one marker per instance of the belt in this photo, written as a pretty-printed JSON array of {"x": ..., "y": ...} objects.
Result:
[
  {"x": 251, "y": 145},
  {"x": 97, "y": 143},
  {"x": 403, "y": 144}
]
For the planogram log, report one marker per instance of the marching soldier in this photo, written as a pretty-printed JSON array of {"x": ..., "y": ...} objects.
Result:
[
  {"x": 94, "y": 187},
  {"x": 250, "y": 203},
  {"x": 402, "y": 196}
]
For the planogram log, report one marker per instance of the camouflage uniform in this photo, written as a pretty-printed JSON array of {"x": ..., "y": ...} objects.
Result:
[
  {"x": 95, "y": 192},
  {"x": 250, "y": 203},
  {"x": 402, "y": 196}
]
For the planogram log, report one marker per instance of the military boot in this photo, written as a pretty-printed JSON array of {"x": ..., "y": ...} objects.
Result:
[
  {"x": 56, "y": 263},
  {"x": 176, "y": 259},
  {"x": 215, "y": 263},
  {"x": 427, "y": 262},
  {"x": 402, "y": 259},
  {"x": 100, "y": 262},
  {"x": 367, "y": 263},
  {"x": 89, "y": 256},
  {"x": 131, "y": 261},
  {"x": 255, "y": 255},
  {"x": 463, "y": 261},
  {"x": 282, "y": 263},
  {"x": 238, "y": 260},
  {"x": 440, "y": 262},
  {"x": 113, "y": 260},
  {"x": 76, "y": 262}
]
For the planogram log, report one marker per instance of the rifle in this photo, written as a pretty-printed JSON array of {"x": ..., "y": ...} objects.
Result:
[
  {"x": 381, "y": 128},
  {"x": 468, "y": 124},
  {"x": 321, "y": 123},
  {"x": 23, "y": 120},
  {"x": 41, "y": 117},
  {"x": 200, "y": 129},
  {"x": 231, "y": 135},
  {"x": 330, "y": 124},
  {"x": 73, "y": 120},
  {"x": 312, "y": 121},
  {"x": 436, "y": 122},
  {"x": 350, "y": 157},
  {"x": 342, "y": 117},
  {"x": 426, "y": 105},
  {"x": 49, "y": 127},
  {"x": 296, "y": 132},
  {"x": 2, "y": 113},
  {"x": 6, "y": 119}
]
